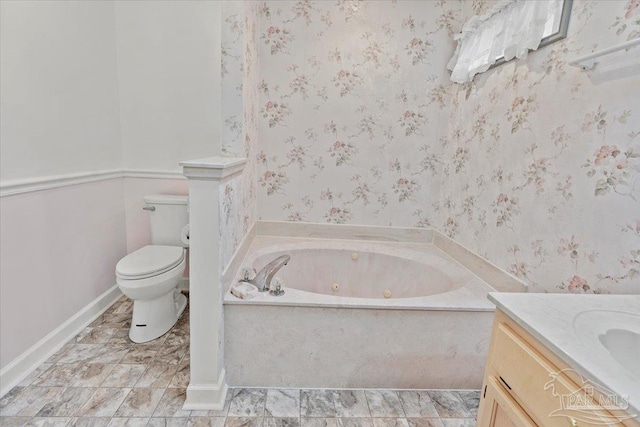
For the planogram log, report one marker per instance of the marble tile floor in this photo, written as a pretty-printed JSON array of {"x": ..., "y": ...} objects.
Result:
[{"x": 100, "y": 378}]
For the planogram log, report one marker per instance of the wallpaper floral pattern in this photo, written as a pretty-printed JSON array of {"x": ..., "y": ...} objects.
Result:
[
  {"x": 239, "y": 72},
  {"x": 548, "y": 182},
  {"x": 535, "y": 165},
  {"x": 351, "y": 94}
]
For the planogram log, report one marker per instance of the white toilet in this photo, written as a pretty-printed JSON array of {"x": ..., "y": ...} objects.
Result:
[{"x": 150, "y": 275}]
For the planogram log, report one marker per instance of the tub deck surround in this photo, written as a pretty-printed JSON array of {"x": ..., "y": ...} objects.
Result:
[
  {"x": 433, "y": 332},
  {"x": 556, "y": 320},
  {"x": 234, "y": 264},
  {"x": 344, "y": 231},
  {"x": 321, "y": 347},
  {"x": 499, "y": 279},
  {"x": 207, "y": 388}
]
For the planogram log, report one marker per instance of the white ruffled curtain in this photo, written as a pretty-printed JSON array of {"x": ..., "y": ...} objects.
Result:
[{"x": 510, "y": 29}]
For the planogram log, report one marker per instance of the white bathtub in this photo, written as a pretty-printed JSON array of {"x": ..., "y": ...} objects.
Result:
[{"x": 432, "y": 332}]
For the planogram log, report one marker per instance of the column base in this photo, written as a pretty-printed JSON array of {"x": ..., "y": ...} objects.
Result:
[{"x": 206, "y": 397}]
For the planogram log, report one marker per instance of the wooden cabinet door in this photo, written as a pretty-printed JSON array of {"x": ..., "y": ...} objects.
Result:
[{"x": 498, "y": 409}]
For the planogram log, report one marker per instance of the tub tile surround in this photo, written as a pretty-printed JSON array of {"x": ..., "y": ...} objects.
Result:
[{"x": 87, "y": 392}]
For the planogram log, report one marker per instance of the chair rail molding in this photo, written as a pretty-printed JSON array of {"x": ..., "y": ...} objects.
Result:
[
  {"x": 15, "y": 187},
  {"x": 28, "y": 185},
  {"x": 153, "y": 174},
  {"x": 207, "y": 388}
]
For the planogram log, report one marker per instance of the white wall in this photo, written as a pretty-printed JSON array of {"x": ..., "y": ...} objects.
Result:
[
  {"x": 59, "y": 103},
  {"x": 168, "y": 68},
  {"x": 88, "y": 86},
  {"x": 58, "y": 247},
  {"x": 168, "y": 72},
  {"x": 58, "y": 253}
]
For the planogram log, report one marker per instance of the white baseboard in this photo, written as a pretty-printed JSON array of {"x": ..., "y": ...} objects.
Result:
[
  {"x": 27, "y": 362},
  {"x": 207, "y": 397}
]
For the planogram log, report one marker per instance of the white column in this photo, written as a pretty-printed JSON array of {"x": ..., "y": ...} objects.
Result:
[{"x": 207, "y": 389}]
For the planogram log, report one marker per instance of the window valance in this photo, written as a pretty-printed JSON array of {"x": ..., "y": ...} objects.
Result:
[{"x": 510, "y": 29}]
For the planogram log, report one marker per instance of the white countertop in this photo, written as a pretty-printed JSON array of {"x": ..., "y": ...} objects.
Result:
[{"x": 551, "y": 318}]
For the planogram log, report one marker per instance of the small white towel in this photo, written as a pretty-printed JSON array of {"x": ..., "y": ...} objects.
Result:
[{"x": 244, "y": 290}]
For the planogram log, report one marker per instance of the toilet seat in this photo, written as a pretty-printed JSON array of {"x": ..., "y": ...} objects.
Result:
[{"x": 149, "y": 261}]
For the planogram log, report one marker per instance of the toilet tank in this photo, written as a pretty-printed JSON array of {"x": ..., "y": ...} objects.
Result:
[{"x": 168, "y": 218}]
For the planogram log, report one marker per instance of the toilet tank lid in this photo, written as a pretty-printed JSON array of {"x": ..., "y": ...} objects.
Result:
[{"x": 166, "y": 199}]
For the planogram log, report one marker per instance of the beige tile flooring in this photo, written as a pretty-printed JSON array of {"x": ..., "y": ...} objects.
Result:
[{"x": 101, "y": 378}]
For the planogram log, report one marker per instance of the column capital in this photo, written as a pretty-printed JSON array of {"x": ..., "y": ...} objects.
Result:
[{"x": 213, "y": 168}]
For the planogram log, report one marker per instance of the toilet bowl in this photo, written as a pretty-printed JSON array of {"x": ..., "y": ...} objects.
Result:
[{"x": 150, "y": 276}]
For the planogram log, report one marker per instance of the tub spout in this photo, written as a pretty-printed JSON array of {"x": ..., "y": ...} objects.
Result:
[{"x": 263, "y": 279}]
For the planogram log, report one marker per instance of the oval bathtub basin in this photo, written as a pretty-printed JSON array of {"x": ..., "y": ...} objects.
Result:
[{"x": 368, "y": 274}]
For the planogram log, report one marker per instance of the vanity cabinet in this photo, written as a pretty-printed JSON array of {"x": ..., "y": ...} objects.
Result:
[
  {"x": 526, "y": 385},
  {"x": 501, "y": 410}
]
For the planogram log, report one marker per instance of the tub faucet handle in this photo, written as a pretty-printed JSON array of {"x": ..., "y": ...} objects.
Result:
[
  {"x": 276, "y": 287},
  {"x": 247, "y": 272}
]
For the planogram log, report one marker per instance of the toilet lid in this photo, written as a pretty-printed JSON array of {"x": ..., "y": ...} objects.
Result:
[{"x": 150, "y": 260}]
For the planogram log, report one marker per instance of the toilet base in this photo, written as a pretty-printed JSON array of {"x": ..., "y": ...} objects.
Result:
[{"x": 153, "y": 318}]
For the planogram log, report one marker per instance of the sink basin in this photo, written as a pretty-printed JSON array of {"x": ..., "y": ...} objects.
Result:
[
  {"x": 624, "y": 347},
  {"x": 612, "y": 333}
]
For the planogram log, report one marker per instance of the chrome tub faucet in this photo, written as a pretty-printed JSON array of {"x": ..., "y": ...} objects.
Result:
[{"x": 262, "y": 279}]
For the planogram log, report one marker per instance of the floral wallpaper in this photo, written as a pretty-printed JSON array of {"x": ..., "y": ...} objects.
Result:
[
  {"x": 535, "y": 165},
  {"x": 239, "y": 72},
  {"x": 351, "y": 99},
  {"x": 540, "y": 167}
]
